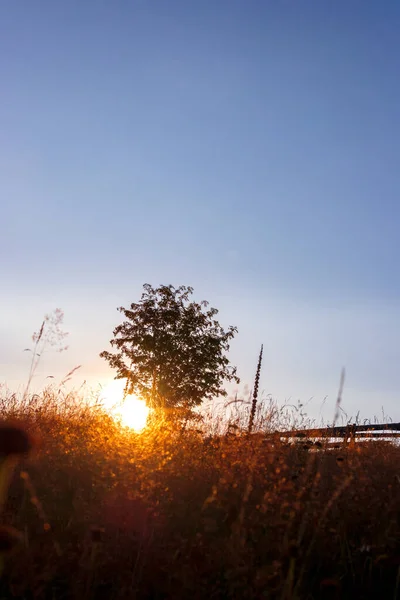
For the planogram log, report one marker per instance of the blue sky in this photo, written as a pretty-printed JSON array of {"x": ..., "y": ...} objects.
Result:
[{"x": 247, "y": 148}]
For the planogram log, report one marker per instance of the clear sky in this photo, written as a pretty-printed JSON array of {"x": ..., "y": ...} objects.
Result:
[{"x": 249, "y": 148}]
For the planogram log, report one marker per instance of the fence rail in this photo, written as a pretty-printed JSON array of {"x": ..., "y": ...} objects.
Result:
[{"x": 382, "y": 430}]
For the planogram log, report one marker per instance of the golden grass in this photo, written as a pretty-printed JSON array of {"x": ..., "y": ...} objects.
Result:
[{"x": 170, "y": 513}]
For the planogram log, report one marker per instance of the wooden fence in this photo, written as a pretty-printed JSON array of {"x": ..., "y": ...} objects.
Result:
[{"x": 347, "y": 433}]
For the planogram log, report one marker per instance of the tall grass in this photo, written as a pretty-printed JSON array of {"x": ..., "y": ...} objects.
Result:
[{"x": 202, "y": 511}]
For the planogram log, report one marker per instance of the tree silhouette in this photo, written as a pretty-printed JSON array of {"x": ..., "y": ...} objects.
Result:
[{"x": 171, "y": 350}]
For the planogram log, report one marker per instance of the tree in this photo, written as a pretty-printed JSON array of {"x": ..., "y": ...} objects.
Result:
[{"x": 171, "y": 350}]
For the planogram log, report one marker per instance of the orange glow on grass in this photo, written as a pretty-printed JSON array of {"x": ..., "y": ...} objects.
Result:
[{"x": 131, "y": 412}]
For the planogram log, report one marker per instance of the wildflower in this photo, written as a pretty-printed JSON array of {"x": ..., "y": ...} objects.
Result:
[
  {"x": 293, "y": 550},
  {"x": 9, "y": 539},
  {"x": 330, "y": 587},
  {"x": 14, "y": 440},
  {"x": 96, "y": 534}
]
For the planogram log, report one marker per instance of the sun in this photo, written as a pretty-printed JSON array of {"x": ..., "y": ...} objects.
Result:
[{"x": 130, "y": 412}]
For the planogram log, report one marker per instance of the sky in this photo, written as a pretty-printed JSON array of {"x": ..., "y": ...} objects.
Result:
[{"x": 247, "y": 148}]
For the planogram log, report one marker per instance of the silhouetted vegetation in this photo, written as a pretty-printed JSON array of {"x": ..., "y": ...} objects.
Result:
[
  {"x": 171, "y": 351},
  {"x": 205, "y": 511},
  {"x": 255, "y": 392}
]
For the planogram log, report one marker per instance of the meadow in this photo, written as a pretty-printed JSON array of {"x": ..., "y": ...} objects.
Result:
[{"x": 193, "y": 509}]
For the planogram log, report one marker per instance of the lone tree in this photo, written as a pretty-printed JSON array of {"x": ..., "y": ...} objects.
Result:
[{"x": 171, "y": 350}]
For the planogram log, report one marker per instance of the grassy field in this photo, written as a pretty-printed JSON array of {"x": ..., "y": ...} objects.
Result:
[{"x": 174, "y": 513}]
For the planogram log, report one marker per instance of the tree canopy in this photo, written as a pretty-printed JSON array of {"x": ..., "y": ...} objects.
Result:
[{"x": 172, "y": 351}]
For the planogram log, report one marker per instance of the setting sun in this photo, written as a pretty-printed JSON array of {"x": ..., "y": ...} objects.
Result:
[{"x": 131, "y": 411}]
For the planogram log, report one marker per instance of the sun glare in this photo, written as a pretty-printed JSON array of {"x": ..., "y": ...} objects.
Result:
[{"x": 131, "y": 412}]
